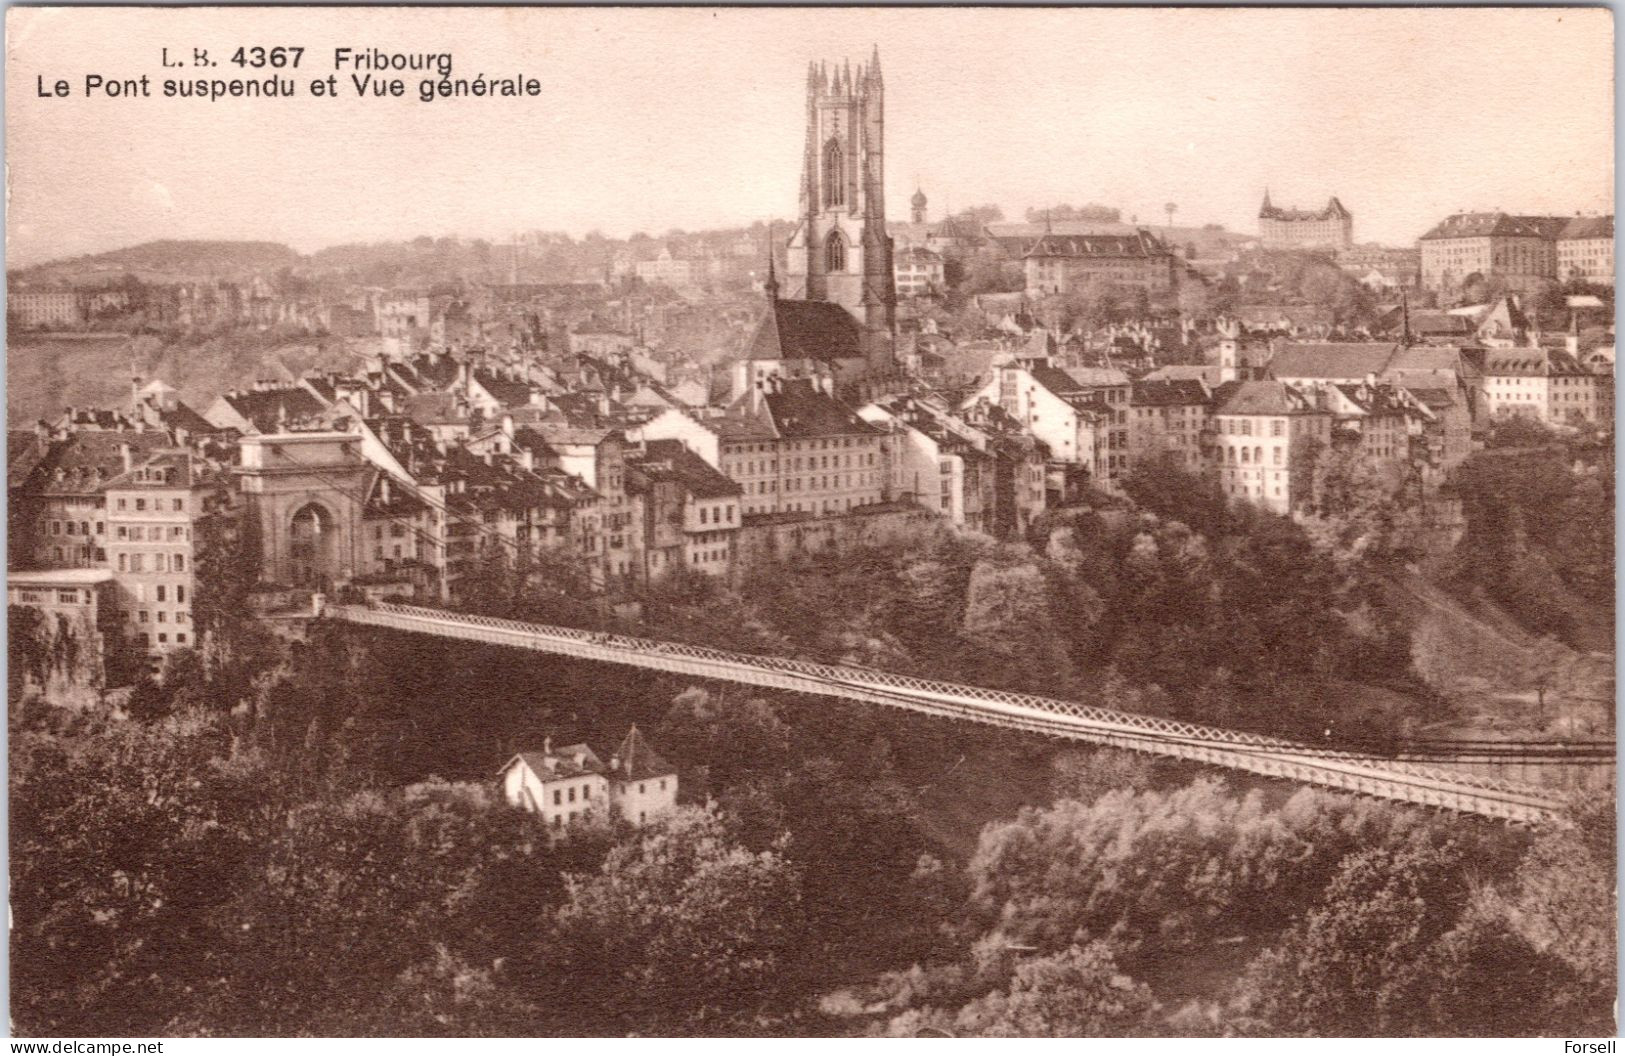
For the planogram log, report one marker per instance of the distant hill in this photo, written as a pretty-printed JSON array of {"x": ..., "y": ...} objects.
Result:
[{"x": 169, "y": 260}]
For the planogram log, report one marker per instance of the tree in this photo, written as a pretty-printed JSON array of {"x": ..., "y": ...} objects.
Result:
[
  {"x": 1351, "y": 967},
  {"x": 682, "y": 930},
  {"x": 124, "y": 849},
  {"x": 1075, "y": 993}
]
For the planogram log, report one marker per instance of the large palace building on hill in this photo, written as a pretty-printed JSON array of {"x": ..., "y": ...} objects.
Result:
[{"x": 1329, "y": 228}]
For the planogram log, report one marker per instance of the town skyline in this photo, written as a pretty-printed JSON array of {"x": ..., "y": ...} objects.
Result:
[{"x": 714, "y": 110}]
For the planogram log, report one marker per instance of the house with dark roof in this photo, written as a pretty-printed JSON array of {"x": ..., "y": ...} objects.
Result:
[
  {"x": 1058, "y": 263},
  {"x": 572, "y": 783},
  {"x": 266, "y": 408},
  {"x": 1543, "y": 383},
  {"x": 1585, "y": 250},
  {"x": 1520, "y": 250},
  {"x": 1169, "y": 417},
  {"x": 690, "y": 511},
  {"x": 794, "y": 448}
]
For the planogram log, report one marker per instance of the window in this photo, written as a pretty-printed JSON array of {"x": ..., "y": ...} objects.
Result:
[
  {"x": 137, "y": 563},
  {"x": 834, "y": 175},
  {"x": 181, "y": 638},
  {"x": 122, "y": 505},
  {"x": 835, "y": 252},
  {"x": 140, "y": 504},
  {"x": 179, "y": 563},
  {"x": 178, "y": 505},
  {"x": 558, "y": 797},
  {"x": 121, "y": 563},
  {"x": 571, "y": 795},
  {"x": 160, "y": 595},
  {"x": 640, "y": 788}
]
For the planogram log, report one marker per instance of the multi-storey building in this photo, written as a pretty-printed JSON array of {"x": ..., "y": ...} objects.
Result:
[
  {"x": 1057, "y": 264},
  {"x": 1262, "y": 437},
  {"x": 1547, "y": 384},
  {"x": 1518, "y": 249},
  {"x": 154, "y": 513},
  {"x": 793, "y": 448},
  {"x": 690, "y": 510},
  {"x": 45, "y": 307},
  {"x": 1585, "y": 250},
  {"x": 1080, "y": 414},
  {"x": 1328, "y": 228},
  {"x": 935, "y": 460},
  {"x": 1169, "y": 417},
  {"x": 919, "y": 272}
]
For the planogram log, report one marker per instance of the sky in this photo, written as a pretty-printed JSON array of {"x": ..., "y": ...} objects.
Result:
[{"x": 655, "y": 119}]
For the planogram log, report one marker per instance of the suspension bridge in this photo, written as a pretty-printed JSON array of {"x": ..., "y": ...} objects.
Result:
[{"x": 1330, "y": 767}]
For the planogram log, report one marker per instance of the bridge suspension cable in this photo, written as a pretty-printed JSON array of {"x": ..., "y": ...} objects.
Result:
[{"x": 1330, "y": 766}]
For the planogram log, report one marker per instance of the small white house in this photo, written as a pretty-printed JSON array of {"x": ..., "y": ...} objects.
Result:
[{"x": 567, "y": 784}]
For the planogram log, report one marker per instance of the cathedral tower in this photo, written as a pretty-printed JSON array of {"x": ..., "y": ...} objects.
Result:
[{"x": 840, "y": 251}]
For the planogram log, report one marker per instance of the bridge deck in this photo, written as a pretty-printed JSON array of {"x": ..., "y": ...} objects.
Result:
[{"x": 1330, "y": 768}]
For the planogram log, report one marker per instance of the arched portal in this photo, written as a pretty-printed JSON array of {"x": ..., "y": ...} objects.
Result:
[{"x": 313, "y": 547}]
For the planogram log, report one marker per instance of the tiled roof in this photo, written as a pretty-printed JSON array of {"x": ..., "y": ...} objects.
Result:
[
  {"x": 1429, "y": 322},
  {"x": 800, "y": 411},
  {"x": 1334, "y": 210},
  {"x": 85, "y": 461},
  {"x": 505, "y": 391},
  {"x": 25, "y": 450},
  {"x": 670, "y": 459},
  {"x": 1588, "y": 227},
  {"x": 1261, "y": 397},
  {"x": 1168, "y": 393},
  {"x": 1207, "y": 375},
  {"x": 1139, "y": 244},
  {"x": 170, "y": 469},
  {"x": 1331, "y": 359},
  {"x": 638, "y": 761},
  {"x": 1480, "y": 225},
  {"x": 266, "y": 408},
  {"x": 560, "y": 763},
  {"x": 806, "y": 330}
]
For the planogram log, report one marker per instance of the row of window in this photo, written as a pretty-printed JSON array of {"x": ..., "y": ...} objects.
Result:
[
  {"x": 44, "y": 597},
  {"x": 176, "y": 505},
  {"x": 160, "y": 562},
  {"x": 158, "y": 616},
  {"x": 136, "y": 533},
  {"x": 163, "y": 639},
  {"x": 1256, "y": 455}
]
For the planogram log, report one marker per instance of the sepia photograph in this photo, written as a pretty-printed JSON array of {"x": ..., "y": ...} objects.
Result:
[{"x": 819, "y": 522}]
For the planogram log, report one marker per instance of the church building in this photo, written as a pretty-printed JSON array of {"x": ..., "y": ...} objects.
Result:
[{"x": 840, "y": 252}]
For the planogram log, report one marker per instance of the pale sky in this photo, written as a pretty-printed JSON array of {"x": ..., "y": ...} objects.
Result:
[{"x": 655, "y": 119}]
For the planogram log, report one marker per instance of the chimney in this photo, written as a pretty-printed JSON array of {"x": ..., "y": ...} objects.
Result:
[
  {"x": 507, "y": 426},
  {"x": 124, "y": 454},
  {"x": 547, "y": 745},
  {"x": 614, "y": 763}
]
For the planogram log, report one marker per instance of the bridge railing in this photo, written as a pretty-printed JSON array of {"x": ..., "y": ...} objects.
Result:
[{"x": 1335, "y": 767}]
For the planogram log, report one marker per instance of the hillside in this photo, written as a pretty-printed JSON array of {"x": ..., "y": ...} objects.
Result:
[
  {"x": 169, "y": 260},
  {"x": 46, "y": 373}
]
